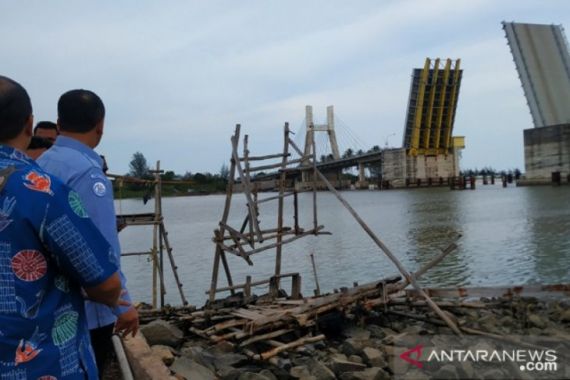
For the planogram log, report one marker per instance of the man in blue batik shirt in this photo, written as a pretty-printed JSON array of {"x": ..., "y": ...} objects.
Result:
[
  {"x": 81, "y": 116},
  {"x": 49, "y": 250}
]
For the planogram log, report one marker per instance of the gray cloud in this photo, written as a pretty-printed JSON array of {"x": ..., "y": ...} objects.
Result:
[{"x": 177, "y": 76}]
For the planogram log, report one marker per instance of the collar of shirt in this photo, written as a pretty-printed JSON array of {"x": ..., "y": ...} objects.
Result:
[
  {"x": 71, "y": 143},
  {"x": 9, "y": 153}
]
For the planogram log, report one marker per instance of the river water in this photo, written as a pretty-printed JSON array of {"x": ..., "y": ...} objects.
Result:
[{"x": 517, "y": 235}]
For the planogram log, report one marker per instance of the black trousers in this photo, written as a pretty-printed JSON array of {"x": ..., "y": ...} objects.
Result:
[{"x": 102, "y": 345}]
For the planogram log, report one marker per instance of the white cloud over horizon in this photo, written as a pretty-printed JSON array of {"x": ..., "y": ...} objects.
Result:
[{"x": 177, "y": 76}]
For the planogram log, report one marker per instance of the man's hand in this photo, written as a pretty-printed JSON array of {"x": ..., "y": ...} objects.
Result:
[{"x": 128, "y": 322}]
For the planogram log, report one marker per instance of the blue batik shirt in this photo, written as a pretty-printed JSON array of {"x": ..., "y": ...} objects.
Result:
[
  {"x": 79, "y": 167},
  {"x": 49, "y": 250}
]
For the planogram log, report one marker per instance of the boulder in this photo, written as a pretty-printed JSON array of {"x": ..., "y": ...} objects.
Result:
[
  {"x": 252, "y": 376},
  {"x": 267, "y": 373},
  {"x": 191, "y": 370},
  {"x": 340, "y": 366},
  {"x": 536, "y": 321},
  {"x": 448, "y": 371},
  {"x": 300, "y": 372},
  {"x": 355, "y": 359},
  {"x": 160, "y": 332},
  {"x": 351, "y": 346},
  {"x": 356, "y": 333},
  {"x": 373, "y": 373},
  {"x": 321, "y": 371},
  {"x": 374, "y": 357},
  {"x": 565, "y": 317},
  {"x": 200, "y": 356}
]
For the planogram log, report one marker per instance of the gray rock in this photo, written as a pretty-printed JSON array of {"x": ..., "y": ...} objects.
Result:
[
  {"x": 565, "y": 317},
  {"x": 376, "y": 331},
  {"x": 224, "y": 346},
  {"x": 381, "y": 374},
  {"x": 200, "y": 356},
  {"x": 416, "y": 375},
  {"x": 367, "y": 374},
  {"x": 493, "y": 374},
  {"x": 229, "y": 373},
  {"x": 536, "y": 321},
  {"x": 164, "y": 353},
  {"x": 267, "y": 373},
  {"x": 300, "y": 372},
  {"x": 228, "y": 360},
  {"x": 251, "y": 376},
  {"x": 191, "y": 370},
  {"x": 321, "y": 371},
  {"x": 374, "y": 357},
  {"x": 448, "y": 371},
  {"x": 351, "y": 346},
  {"x": 356, "y": 333},
  {"x": 340, "y": 366},
  {"x": 355, "y": 359},
  {"x": 467, "y": 370},
  {"x": 162, "y": 333}
]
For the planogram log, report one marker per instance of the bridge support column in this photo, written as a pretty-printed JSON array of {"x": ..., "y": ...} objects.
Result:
[{"x": 362, "y": 182}]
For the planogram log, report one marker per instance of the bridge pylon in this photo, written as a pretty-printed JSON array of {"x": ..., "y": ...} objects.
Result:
[{"x": 328, "y": 127}]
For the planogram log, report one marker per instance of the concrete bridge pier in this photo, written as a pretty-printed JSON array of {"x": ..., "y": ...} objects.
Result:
[{"x": 362, "y": 182}]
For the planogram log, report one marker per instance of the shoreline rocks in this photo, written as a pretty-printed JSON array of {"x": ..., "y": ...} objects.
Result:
[{"x": 364, "y": 347}]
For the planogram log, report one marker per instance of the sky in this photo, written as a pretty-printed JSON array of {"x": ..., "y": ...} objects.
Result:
[{"x": 176, "y": 76}]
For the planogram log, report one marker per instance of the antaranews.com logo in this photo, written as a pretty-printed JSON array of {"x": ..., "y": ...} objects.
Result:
[{"x": 470, "y": 357}]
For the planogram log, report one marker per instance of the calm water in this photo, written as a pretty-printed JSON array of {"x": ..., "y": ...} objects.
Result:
[{"x": 509, "y": 236}]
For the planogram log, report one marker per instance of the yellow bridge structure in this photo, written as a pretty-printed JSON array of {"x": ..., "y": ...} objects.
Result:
[{"x": 431, "y": 109}]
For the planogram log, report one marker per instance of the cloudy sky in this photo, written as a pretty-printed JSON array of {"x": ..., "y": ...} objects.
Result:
[{"x": 176, "y": 76}]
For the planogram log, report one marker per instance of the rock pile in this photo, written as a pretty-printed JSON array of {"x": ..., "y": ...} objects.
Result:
[{"x": 365, "y": 346}]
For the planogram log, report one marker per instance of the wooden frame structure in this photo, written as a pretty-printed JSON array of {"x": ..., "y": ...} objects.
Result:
[
  {"x": 257, "y": 235},
  {"x": 160, "y": 242},
  {"x": 250, "y": 238}
]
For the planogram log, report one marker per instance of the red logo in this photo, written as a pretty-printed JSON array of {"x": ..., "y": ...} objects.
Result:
[
  {"x": 38, "y": 182},
  {"x": 418, "y": 350}
]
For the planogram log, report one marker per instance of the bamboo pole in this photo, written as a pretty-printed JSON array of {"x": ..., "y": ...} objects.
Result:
[
  {"x": 314, "y": 147},
  {"x": 278, "y": 248},
  {"x": 318, "y": 289},
  {"x": 246, "y": 185},
  {"x": 452, "y": 247},
  {"x": 218, "y": 234},
  {"x": 391, "y": 256}
]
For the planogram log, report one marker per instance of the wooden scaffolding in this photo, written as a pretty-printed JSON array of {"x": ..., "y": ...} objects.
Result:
[
  {"x": 243, "y": 244},
  {"x": 250, "y": 238},
  {"x": 160, "y": 242}
]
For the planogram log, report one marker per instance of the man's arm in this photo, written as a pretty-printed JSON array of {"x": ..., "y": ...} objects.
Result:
[
  {"x": 108, "y": 292},
  {"x": 79, "y": 249}
]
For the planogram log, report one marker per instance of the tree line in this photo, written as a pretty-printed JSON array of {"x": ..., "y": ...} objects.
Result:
[{"x": 173, "y": 183}]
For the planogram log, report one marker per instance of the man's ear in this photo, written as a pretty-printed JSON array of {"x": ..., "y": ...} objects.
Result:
[
  {"x": 99, "y": 127},
  {"x": 29, "y": 128}
]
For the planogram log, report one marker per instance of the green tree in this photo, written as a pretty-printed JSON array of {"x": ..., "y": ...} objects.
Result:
[
  {"x": 139, "y": 167},
  {"x": 224, "y": 172}
]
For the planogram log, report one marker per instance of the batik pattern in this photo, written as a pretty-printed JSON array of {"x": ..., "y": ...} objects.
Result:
[
  {"x": 29, "y": 265},
  {"x": 68, "y": 238},
  {"x": 76, "y": 204},
  {"x": 6, "y": 212},
  {"x": 38, "y": 182},
  {"x": 16, "y": 374},
  {"x": 7, "y": 282},
  {"x": 64, "y": 336}
]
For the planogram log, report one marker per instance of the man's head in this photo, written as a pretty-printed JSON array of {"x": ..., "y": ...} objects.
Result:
[
  {"x": 47, "y": 130},
  {"x": 37, "y": 146},
  {"x": 81, "y": 114},
  {"x": 15, "y": 114}
]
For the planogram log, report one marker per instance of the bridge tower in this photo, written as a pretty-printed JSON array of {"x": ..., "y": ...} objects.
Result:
[{"x": 312, "y": 128}]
